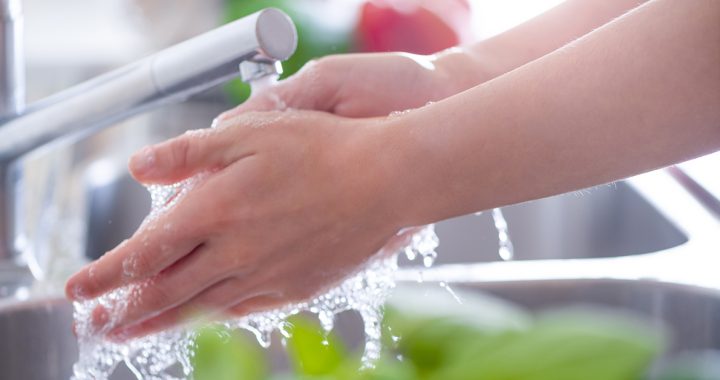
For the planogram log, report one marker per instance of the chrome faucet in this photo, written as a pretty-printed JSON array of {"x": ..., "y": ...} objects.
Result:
[
  {"x": 250, "y": 48},
  {"x": 12, "y": 76}
]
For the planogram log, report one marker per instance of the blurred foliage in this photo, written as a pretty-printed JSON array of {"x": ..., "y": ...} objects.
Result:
[
  {"x": 228, "y": 355},
  {"x": 558, "y": 347},
  {"x": 313, "y": 39},
  {"x": 313, "y": 352}
]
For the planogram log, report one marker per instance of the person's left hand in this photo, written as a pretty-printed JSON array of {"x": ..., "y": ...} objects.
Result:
[{"x": 296, "y": 201}]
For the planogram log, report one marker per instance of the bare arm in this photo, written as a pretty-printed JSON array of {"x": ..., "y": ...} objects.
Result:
[
  {"x": 639, "y": 93},
  {"x": 291, "y": 189},
  {"x": 363, "y": 85},
  {"x": 531, "y": 40}
]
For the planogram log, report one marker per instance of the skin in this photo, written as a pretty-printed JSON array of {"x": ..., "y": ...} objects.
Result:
[{"x": 295, "y": 189}]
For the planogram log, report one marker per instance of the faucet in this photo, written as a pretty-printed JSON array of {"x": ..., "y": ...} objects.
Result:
[
  {"x": 249, "y": 48},
  {"x": 12, "y": 76}
]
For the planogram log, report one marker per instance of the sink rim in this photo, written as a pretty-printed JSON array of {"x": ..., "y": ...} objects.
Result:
[{"x": 674, "y": 203}]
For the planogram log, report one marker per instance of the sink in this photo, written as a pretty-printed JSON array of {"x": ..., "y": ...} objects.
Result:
[
  {"x": 37, "y": 343},
  {"x": 609, "y": 229},
  {"x": 606, "y": 221}
]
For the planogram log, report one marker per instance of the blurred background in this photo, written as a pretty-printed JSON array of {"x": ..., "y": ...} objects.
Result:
[
  {"x": 71, "y": 40},
  {"x": 80, "y": 196}
]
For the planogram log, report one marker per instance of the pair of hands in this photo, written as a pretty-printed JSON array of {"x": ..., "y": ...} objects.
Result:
[{"x": 297, "y": 199}]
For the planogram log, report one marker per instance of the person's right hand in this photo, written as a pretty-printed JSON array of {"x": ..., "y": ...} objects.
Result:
[{"x": 364, "y": 85}]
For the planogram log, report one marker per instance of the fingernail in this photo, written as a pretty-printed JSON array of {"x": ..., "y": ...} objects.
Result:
[
  {"x": 78, "y": 292},
  {"x": 143, "y": 161},
  {"x": 75, "y": 291}
]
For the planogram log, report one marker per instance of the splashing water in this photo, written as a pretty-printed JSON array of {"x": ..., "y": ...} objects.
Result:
[
  {"x": 163, "y": 355},
  {"x": 261, "y": 85},
  {"x": 167, "y": 355}
]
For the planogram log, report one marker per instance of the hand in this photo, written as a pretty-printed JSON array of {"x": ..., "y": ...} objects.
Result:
[
  {"x": 296, "y": 201},
  {"x": 367, "y": 85}
]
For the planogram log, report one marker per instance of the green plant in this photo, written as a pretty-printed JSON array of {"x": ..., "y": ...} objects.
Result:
[{"x": 565, "y": 346}]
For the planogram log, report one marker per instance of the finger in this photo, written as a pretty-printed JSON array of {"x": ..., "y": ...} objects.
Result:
[
  {"x": 255, "y": 305},
  {"x": 212, "y": 304},
  {"x": 176, "y": 285},
  {"x": 180, "y": 158},
  {"x": 155, "y": 246}
]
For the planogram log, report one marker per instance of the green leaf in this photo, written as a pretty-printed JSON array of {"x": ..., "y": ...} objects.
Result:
[
  {"x": 227, "y": 355},
  {"x": 558, "y": 349},
  {"x": 311, "y": 350}
]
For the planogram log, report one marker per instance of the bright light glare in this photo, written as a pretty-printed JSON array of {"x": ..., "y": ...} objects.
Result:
[{"x": 493, "y": 16}]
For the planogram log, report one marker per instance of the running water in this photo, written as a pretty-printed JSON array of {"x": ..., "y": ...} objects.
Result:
[
  {"x": 259, "y": 86},
  {"x": 167, "y": 355},
  {"x": 158, "y": 356},
  {"x": 505, "y": 246}
]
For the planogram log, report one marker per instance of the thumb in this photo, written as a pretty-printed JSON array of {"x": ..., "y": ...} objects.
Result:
[{"x": 182, "y": 157}]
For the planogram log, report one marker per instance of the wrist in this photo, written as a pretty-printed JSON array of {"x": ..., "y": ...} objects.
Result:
[
  {"x": 406, "y": 176},
  {"x": 459, "y": 69}
]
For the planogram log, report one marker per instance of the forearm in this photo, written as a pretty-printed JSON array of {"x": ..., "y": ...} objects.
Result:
[
  {"x": 471, "y": 65},
  {"x": 640, "y": 93}
]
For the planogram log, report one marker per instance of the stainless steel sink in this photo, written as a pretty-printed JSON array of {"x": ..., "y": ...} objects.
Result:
[
  {"x": 607, "y": 221},
  {"x": 643, "y": 245},
  {"x": 37, "y": 343}
]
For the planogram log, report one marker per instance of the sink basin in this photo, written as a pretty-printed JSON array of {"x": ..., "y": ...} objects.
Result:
[
  {"x": 37, "y": 343},
  {"x": 89, "y": 183},
  {"x": 606, "y": 221}
]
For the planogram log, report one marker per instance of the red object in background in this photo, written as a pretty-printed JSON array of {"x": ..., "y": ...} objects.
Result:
[{"x": 414, "y": 26}]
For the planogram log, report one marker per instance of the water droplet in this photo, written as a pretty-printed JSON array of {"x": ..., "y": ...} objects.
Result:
[
  {"x": 150, "y": 357},
  {"x": 447, "y": 287},
  {"x": 505, "y": 246}
]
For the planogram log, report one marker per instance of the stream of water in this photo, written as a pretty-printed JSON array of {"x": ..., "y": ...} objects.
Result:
[{"x": 167, "y": 355}]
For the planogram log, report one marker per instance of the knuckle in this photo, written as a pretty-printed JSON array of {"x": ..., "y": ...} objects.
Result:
[{"x": 138, "y": 265}]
